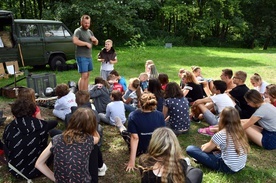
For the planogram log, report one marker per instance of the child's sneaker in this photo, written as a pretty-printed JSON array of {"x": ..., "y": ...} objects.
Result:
[
  {"x": 188, "y": 161},
  {"x": 196, "y": 120},
  {"x": 102, "y": 170},
  {"x": 119, "y": 124}
]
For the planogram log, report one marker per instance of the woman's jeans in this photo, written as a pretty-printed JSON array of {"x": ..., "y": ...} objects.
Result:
[{"x": 212, "y": 159}]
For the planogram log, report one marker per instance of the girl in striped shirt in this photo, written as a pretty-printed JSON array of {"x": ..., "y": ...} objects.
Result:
[{"x": 227, "y": 150}]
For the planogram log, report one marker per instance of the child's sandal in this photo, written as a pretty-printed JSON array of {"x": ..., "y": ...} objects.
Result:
[{"x": 205, "y": 131}]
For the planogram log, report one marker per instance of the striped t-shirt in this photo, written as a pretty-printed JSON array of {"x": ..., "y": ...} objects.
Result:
[{"x": 228, "y": 153}]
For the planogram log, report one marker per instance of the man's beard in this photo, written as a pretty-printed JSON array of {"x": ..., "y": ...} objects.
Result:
[{"x": 85, "y": 27}]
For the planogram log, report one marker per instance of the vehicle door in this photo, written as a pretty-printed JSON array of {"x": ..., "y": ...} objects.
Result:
[
  {"x": 32, "y": 43},
  {"x": 58, "y": 39}
]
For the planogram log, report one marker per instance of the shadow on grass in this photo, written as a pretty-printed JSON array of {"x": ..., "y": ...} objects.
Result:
[{"x": 115, "y": 155}]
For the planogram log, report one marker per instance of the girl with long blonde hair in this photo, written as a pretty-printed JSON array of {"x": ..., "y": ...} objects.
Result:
[
  {"x": 165, "y": 162},
  {"x": 227, "y": 150}
]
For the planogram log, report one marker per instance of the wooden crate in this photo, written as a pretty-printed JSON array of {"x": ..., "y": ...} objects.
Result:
[
  {"x": 2, "y": 72},
  {"x": 11, "y": 92}
]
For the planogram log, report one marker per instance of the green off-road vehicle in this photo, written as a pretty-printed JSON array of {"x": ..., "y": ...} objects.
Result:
[{"x": 41, "y": 42}]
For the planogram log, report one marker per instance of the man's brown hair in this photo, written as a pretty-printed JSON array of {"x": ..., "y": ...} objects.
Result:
[{"x": 85, "y": 17}]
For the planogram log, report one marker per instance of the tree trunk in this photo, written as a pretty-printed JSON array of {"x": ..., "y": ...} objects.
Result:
[
  {"x": 39, "y": 5},
  {"x": 266, "y": 43},
  {"x": 170, "y": 23},
  {"x": 21, "y": 9}
]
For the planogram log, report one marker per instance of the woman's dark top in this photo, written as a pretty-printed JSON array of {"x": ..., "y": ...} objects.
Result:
[
  {"x": 193, "y": 175},
  {"x": 195, "y": 91}
]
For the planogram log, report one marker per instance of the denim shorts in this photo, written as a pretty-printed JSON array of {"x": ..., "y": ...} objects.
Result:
[
  {"x": 84, "y": 64},
  {"x": 269, "y": 140}
]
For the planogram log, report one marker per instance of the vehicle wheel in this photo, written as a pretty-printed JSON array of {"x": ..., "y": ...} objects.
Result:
[{"x": 56, "y": 61}]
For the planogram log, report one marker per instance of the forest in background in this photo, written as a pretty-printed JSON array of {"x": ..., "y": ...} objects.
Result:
[{"x": 219, "y": 23}]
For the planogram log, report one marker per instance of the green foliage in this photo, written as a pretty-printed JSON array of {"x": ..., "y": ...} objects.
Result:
[
  {"x": 155, "y": 42},
  {"x": 137, "y": 47}
]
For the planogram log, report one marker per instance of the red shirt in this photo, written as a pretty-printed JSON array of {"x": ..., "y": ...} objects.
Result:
[
  {"x": 274, "y": 103},
  {"x": 37, "y": 110},
  {"x": 118, "y": 86},
  {"x": 164, "y": 86}
]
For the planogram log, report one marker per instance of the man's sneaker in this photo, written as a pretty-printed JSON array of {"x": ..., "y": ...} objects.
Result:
[
  {"x": 102, "y": 170},
  {"x": 194, "y": 119}
]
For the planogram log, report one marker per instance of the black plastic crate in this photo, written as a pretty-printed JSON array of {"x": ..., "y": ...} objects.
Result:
[{"x": 40, "y": 82}]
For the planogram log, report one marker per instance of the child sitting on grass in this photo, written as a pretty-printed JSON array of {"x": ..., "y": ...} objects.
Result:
[
  {"x": 141, "y": 123},
  {"x": 73, "y": 150},
  {"x": 144, "y": 81},
  {"x": 100, "y": 94},
  {"x": 121, "y": 79},
  {"x": 207, "y": 84},
  {"x": 131, "y": 99},
  {"x": 164, "y": 161},
  {"x": 263, "y": 134},
  {"x": 29, "y": 94},
  {"x": 113, "y": 109},
  {"x": 176, "y": 109},
  {"x": 271, "y": 94},
  {"x": 227, "y": 150},
  {"x": 113, "y": 82},
  {"x": 164, "y": 80},
  {"x": 65, "y": 101}
]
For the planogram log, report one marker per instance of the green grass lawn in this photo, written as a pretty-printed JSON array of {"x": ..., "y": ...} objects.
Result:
[{"x": 261, "y": 164}]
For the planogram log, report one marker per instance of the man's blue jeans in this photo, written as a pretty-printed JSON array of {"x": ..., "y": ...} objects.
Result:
[{"x": 212, "y": 160}]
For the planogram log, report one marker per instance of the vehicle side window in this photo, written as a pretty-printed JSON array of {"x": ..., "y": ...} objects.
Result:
[
  {"x": 28, "y": 30},
  {"x": 55, "y": 30}
]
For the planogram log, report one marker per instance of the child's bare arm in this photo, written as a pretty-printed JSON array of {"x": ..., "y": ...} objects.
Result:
[{"x": 41, "y": 163}]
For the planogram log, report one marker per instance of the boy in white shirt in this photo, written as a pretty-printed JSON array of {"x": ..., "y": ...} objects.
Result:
[
  {"x": 218, "y": 101},
  {"x": 65, "y": 101}
]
